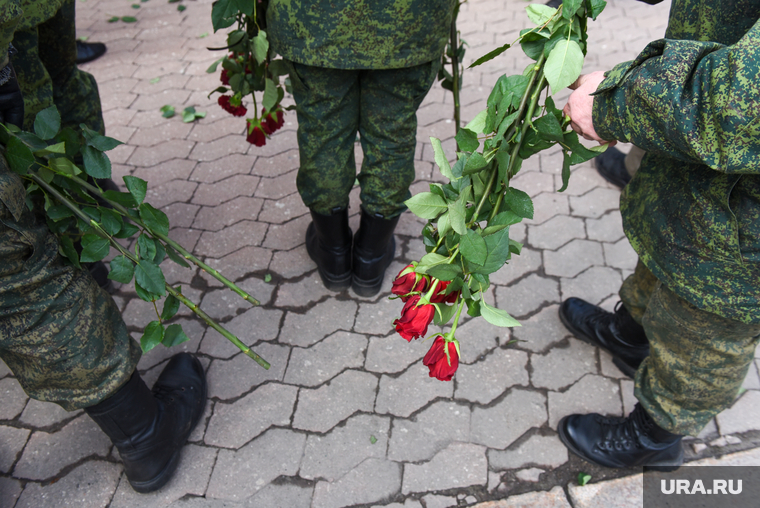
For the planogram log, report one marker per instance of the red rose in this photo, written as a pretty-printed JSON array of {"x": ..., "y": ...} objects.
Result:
[
  {"x": 226, "y": 104},
  {"x": 407, "y": 283},
  {"x": 272, "y": 121},
  {"x": 256, "y": 134},
  {"x": 440, "y": 297},
  {"x": 414, "y": 319},
  {"x": 442, "y": 367},
  {"x": 224, "y": 77}
]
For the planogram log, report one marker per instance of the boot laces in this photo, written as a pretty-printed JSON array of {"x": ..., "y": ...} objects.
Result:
[{"x": 622, "y": 433}]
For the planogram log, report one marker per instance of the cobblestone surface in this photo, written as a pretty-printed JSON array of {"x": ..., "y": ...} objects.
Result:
[{"x": 347, "y": 415}]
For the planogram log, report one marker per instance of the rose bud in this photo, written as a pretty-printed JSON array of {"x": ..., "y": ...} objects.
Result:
[
  {"x": 256, "y": 134},
  {"x": 441, "y": 297},
  {"x": 442, "y": 367},
  {"x": 408, "y": 283},
  {"x": 414, "y": 319}
]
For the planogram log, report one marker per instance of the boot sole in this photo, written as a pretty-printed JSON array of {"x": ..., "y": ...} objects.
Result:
[
  {"x": 167, "y": 472},
  {"x": 626, "y": 369},
  {"x": 664, "y": 466},
  {"x": 331, "y": 282}
]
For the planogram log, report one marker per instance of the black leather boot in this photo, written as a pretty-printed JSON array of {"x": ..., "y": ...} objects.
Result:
[
  {"x": 149, "y": 428},
  {"x": 611, "y": 165},
  {"x": 616, "y": 333},
  {"x": 89, "y": 51},
  {"x": 328, "y": 242},
  {"x": 374, "y": 249},
  {"x": 622, "y": 442}
]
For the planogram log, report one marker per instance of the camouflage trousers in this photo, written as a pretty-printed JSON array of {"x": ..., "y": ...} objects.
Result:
[
  {"x": 381, "y": 105},
  {"x": 48, "y": 74},
  {"x": 697, "y": 362},
  {"x": 61, "y": 335}
]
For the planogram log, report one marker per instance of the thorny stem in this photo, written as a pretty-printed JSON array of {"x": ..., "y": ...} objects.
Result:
[
  {"x": 486, "y": 195},
  {"x": 456, "y": 318},
  {"x": 454, "y": 42},
  {"x": 179, "y": 296}
]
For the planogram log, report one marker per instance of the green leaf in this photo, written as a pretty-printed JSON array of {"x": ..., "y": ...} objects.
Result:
[
  {"x": 519, "y": 202},
  {"x": 563, "y": 66},
  {"x": 137, "y": 187},
  {"x": 539, "y": 13},
  {"x": 127, "y": 230},
  {"x": 223, "y": 14},
  {"x": 268, "y": 278},
  {"x": 156, "y": 220},
  {"x": 443, "y": 313},
  {"x": 445, "y": 271},
  {"x": 167, "y": 111},
  {"x": 458, "y": 213},
  {"x": 372, "y": 439},
  {"x": 64, "y": 165},
  {"x": 110, "y": 221},
  {"x": 498, "y": 251},
  {"x": 506, "y": 218},
  {"x": 160, "y": 253},
  {"x": 549, "y": 128},
  {"x": 270, "y": 94},
  {"x": 47, "y": 123},
  {"x": 260, "y": 47},
  {"x": 147, "y": 247},
  {"x": 533, "y": 42},
  {"x": 181, "y": 8},
  {"x": 580, "y": 153},
  {"x": 174, "y": 256},
  {"x": 94, "y": 248},
  {"x": 515, "y": 247},
  {"x": 467, "y": 140},
  {"x": 189, "y": 114},
  {"x": 174, "y": 335},
  {"x": 122, "y": 270},
  {"x": 19, "y": 156},
  {"x": 595, "y": 7},
  {"x": 96, "y": 163},
  {"x": 129, "y": 19},
  {"x": 171, "y": 306},
  {"x": 583, "y": 478},
  {"x": 113, "y": 19},
  {"x": 155, "y": 80},
  {"x": 570, "y": 7},
  {"x": 489, "y": 56},
  {"x": 475, "y": 163},
  {"x": 67, "y": 246},
  {"x": 496, "y": 316},
  {"x": 477, "y": 124},
  {"x": 565, "y": 170},
  {"x": 473, "y": 307},
  {"x": 426, "y": 205},
  {"x": 135, "y": 6},
  {"x": 212, "y": 68},
  {"x": 125, "y": 199},
  {"x": 97, "y": 140},
  {"x": 440, "y": 158},
  {"x": 444, "y": 224},
  {"x": 145, "y": 294},
  {"x": 152, "y": 336},
  {"x": 559, "y": 36},
  {"x": 59, "y": 212},
  {"x": 150, "y": 277},
  {"x": 473, "y": 247}
]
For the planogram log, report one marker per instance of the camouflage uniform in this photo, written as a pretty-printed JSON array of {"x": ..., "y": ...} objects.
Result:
[
  {"x": 60, "y": 334},
  {"x": 359, "y": 66},
  {"x": 692, "y": 211}
]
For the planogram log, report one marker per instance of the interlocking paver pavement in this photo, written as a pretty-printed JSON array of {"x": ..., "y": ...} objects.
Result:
[{"x": 347, "y": 415}]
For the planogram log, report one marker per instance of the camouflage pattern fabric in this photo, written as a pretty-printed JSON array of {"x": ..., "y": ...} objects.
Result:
[
  {"x": 359, "y": 34},
  {"x": 47, "y": 72},
  {"x": 335, "y": 104},
  {"x": 61, "y": 335},
  {"x": 21, "y": 15},
  {"x": 692, "y": 211},
  {"x": 697, "y": 361}
]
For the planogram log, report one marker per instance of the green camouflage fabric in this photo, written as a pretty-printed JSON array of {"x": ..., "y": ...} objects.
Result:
[
  {"x": 61, "y": 335},
  {"x": 359, "y": 34},
  {"x": 335, "y": 104},
  {"x": 697, "y": 361},
  {"x": 47, "y": 72},
  {"x": 22, "y": 15},
  {"x": 692, "y": 211}
]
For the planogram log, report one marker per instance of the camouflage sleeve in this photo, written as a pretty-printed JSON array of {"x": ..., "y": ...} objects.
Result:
[
  {"x": 10, "y": 15},
  {"x": 693, "y": 101}
]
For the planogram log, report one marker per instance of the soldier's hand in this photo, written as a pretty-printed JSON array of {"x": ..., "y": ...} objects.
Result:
[
  {"x": 11, "y": 102},
  {"x": 580, "y": 106}
]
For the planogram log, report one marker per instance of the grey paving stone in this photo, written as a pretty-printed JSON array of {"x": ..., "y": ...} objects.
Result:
[
  {"x": 393, "y": 354},
  {"x": 228, "y": 379},
  {"x": 322, "y": 361},
  {"x": 223, "y": 303},
  {"x": 12, "y": 398},
  {"x": 215, "y": 218},
  {"x": 409, "y": 503},
  {"x": 527, "y": 295},
  {"x": 405, "y": 394},
  {"x": 573, "y": 258},
  {"x": 532, "y": 474},
  {"x": 46, "y": 454},
  {"x": 233, "y": 425},
  {"x": 232, "y": 238},
  {"x": 593, "y": 285},
  {"x": 595, "y": 203},
  {"x": 196, "y": 436},
  {"x": 592, "y": 394},
  {"x": 4, "y": 370},
  {"x": 192, "y": 477},
  {"x": 239, "y": 265},
  {"x": 477, "y": 337},
  {"x": 202, "y": 502},
  {"x": 373, "y": 480},
  {"x": 331, "y": 456},
  {"x": 498, "y": 426},
  {"x": 281, "y": 496},
  {"x": 528, "y": 261},
  {"x": 10, "y": 490},
  {"x": 320, "y": 321},
  {"x": 321, "y": 409},
  {"x": 555, "y": 498},
  {"x": 302, "y": 293},
  {"x": 629, "y": 400},
  {"x": 547, "y": 205},
  {"x": 485, "y": 380},
  {"x": 533, "y": 182},
  {"x": 252, "y": 326},
  {"x": 541, "y": 331},
  {"x": 607, "y": 228},
  {"x": 459, "y": 465},
  {"x": 89, "y": 485},
  {"x": 563, "y": 366},
  {"x": 433, "y": 501},
  {"x": 742, "y": 416},
  {"x": 745, "y": 458},
  {"x": 609, "y": 369},
  {"x": 287, "y": 236},
  {"x": 240, "y": 474},
  {"x": 377, "y": 317},
  {"x": 291, "y": 263},
  {"x": 430, "y": 431},
  {"x": 752, "y": 381},
  {"x": 626, "y": 492},
  {"x": 538, "y": 450},
  {"x": 12, "y": 441},
  {"x": 555, "y": 232},
  {"x": 584, "y": 178},
  {"x": 620, "y": 254}
]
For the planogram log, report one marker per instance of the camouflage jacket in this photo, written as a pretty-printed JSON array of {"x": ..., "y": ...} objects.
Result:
[
  {"x": 692, "y": 100},
  {"x": 20, "y": 15},
  {"x": 359, "y": 34}
]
